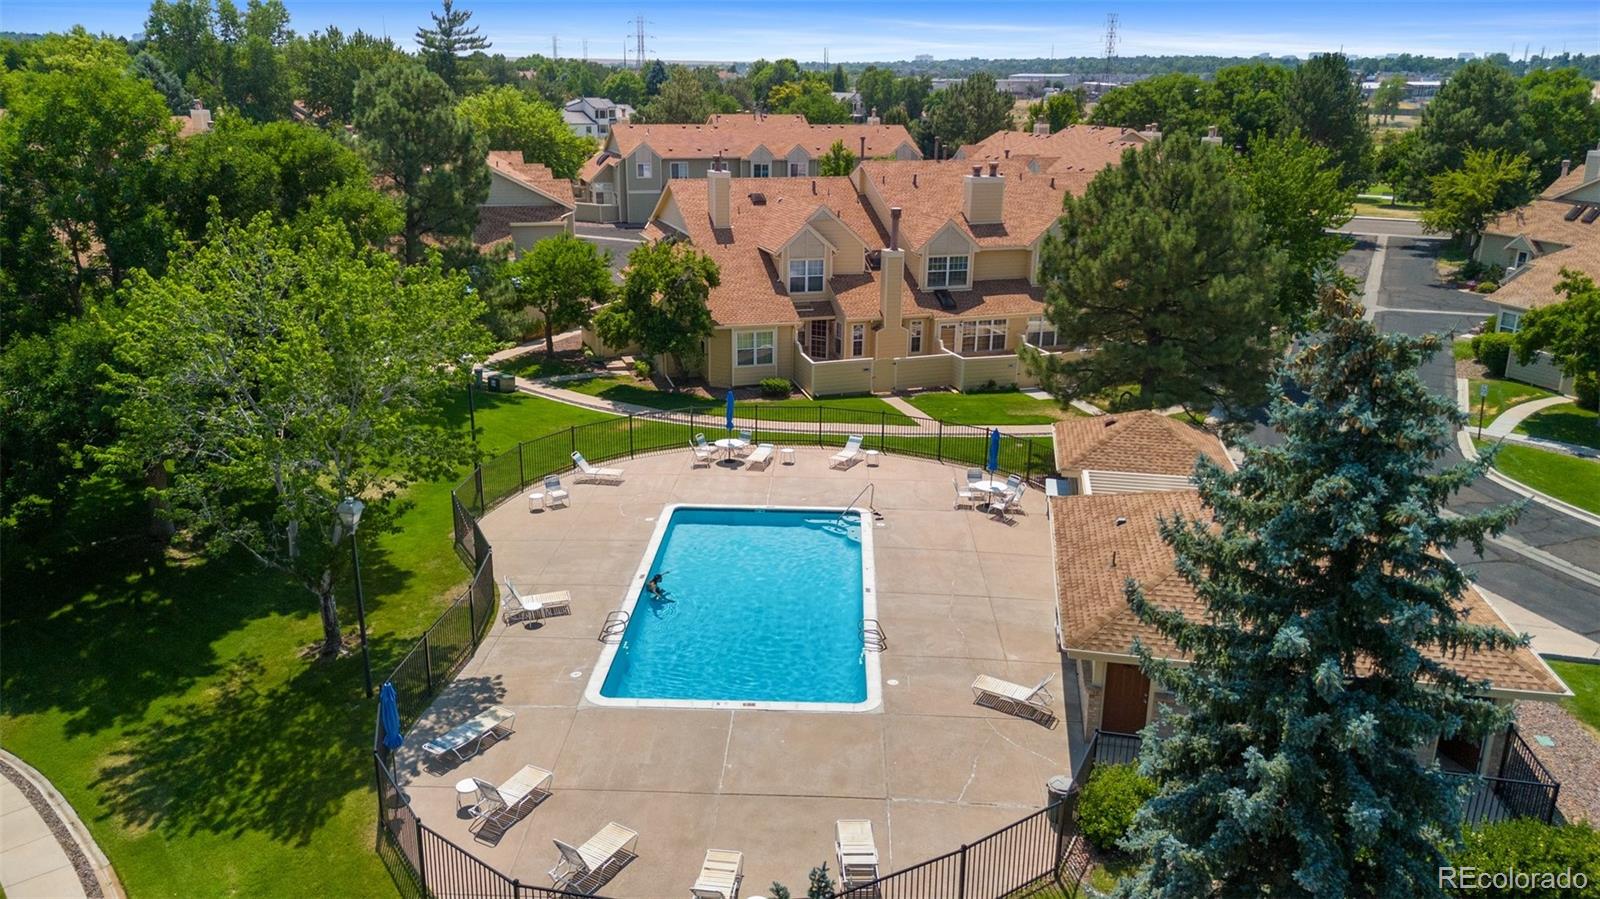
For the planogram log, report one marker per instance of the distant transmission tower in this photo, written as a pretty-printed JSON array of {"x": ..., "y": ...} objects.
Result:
[
  {"x": 555, "y": 47},
  {"x": 638, "y": 26},
  {"x": 1111, "y": 42}
]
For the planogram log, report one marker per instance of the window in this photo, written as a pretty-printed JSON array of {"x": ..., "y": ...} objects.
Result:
[
  {"x": 1510, "y": 321},
  {"x": 1041, "y": 332},
  {"x": 1522, "y": 259},
  {"x": 947, "y": 271},
  {"x": 761, "y": 170},
  {"x": 798, "y": 169},
  {"x": 677, "y": 170},
  {"x": 805, "y": 276},
  {"x": 858, "y": 340},
  {"x": 948, "y": 335},
  {"x": 983, "y": 336},
  {"x": 642, "y": 169},
  {"x": 914, "y": 342},
  {"x": 753, "y": 348}
]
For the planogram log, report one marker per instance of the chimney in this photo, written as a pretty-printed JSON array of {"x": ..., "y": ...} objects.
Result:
[
  {"x": 894, "y": 228},
  {"x": 1041, "y": 129},
  {"x": 1008, "y": 152},
  {"x": 872, "y": 118},
  {"x": 890, "y": 341},
  {"x": 983, "y": 197},
  {"x": 1212, "y": 137},
  {"x": 1566, "y": 166},
  {"x": 936, "y": 149},
  {"x": 861, "y": 157},
  {"x": 200, "y": 115},
  {"x": 719, "y": 194},
  {"x": 1591, "y": 166}
]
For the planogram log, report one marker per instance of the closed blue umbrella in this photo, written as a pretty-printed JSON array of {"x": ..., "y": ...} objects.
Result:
[
  {"x": 389, "y": 716},
  {"x": 994, "y": 448},
  {"x": 729, "y": 421}
]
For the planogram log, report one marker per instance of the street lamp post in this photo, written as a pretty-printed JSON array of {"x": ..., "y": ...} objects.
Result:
[
  {"x": 472, "y": 406},
  {"x": 1483, "y": 395},
  {"x": 350, "y": 513}
]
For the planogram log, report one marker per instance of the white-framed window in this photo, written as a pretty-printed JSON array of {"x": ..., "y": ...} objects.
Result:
[
  {"x": 947, "y": 271},
  {"x": 1510, "y": 321},
  {"x": 1522, "y": 259},
  {"x": 1041, "y": 332},
  {"x": 985, "y": 335},
  {"x": 642, "y": 169},
  {"x": 914, "y": 342},
  {"x": 754, "y": 348},
  {"x": 949, "y": 334},
  {"x": 858, "y": 340},
  {"x": 805, "y": 276},
  {"x": 677, "y": 170},
  {"x": 761, "y": 170},
  {"x": 798, "y": 169}
]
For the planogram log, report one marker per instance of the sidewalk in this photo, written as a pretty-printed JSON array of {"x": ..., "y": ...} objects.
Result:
[
  {"x": 45, "y": 851},
  {"x": 1507, "y": 421},
  {"x": 1549, "y": 638}
]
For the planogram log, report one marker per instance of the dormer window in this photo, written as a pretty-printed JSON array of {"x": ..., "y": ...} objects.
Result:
[
  {"x": 805, "y": 276},
  {"x": 760, "y": 169},
  {"x": 947, "y": 271}
]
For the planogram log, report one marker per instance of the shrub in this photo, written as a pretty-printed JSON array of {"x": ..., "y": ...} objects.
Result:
[
  {"x": 1587, "y": 388},
  {"x": 1108, "y": 802},
  {"x": 641, "y": 368},
  {"x": 1530, "y": 846},
  {"x": 1490, "y": 325},
  {"x": 1486, "y": 287},
  {"x": 1492, "y": 350},
  {"x": 776, "y": 388}
]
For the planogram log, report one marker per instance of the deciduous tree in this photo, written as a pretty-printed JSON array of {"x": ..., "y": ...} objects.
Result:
[
  {"x": 623, "y": 86},
  {"x": 560, "y": 279},
  {"x": 663, "y": 307},
  {"x": 328, "y": 64},
  {"x": 1386, "y": 99},
  {"x": 1250, "y": 100},
  {"x": 1059, "y": 110},
  {"x": 1296, "y": 189},
  {"x": 682, "y": 100},
  {"x": 1569, "y": 330},
  {"x": 811, "y": 98},
  {"x": 1463, "y": 200},
  {"x": 1560, "y": 119},
  {"x": 968, "y": 112},
  {"x": 1479, "y": 108},
  {"x": 1176, "y": 103},
  {"x": 1164, "y": 269},
  {"x": 429, "y": 154},
  {"x": 507, "y": 118},
  {"x": 274, "y": 376},
  {"x": 837, "y": 161},
  {"x": 1319, "y": 664}
]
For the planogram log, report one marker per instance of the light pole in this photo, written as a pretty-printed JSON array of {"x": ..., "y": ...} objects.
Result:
[
  {"x": 1483, "y": 395},
  {"x": 350, "y": 513},
  {"x": 472, "y": 406}
]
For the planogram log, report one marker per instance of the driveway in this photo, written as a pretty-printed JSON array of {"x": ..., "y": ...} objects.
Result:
[{"x": 1375, "y": 225}]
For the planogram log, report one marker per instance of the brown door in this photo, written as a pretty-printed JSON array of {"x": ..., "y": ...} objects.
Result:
[
  {"x": 818, "y": 348},
  {"x": 1126, "y": 699}
]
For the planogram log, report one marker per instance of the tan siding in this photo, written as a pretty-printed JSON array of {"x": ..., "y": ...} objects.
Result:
[
  {"x": 978, "y": 371},
  {"x": 726, "y": 374},
  {"x": 1587, "y": 194},
  {"x": 906, "y": 151},
  {"x": 849, "y": 259},
  {"x": 672, "y": 215},
  {"x": 948, "y": 242},
  {"x": 719, "y": 358},
  {"x": 842, "y": 376},
  {"x": 924, "y": 372},
  {"x": 991, "y": 264},
  {"x": 806, "y": 245},
  {"x": 983, "y": 198},
  {"x": 525, "y": 236}
]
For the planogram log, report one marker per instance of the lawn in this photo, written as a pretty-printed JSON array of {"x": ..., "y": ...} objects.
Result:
[
  {"x": 865, "y": 409},
  {"x": 1566, "y": 423},
  {"x": 537, "y": 365},
  {"x": 1382, "y": 209},
  {"x": 167, "y": 699},
  {"x": 1462, "y": 350},
  {"x": 1564, "y": 477},
  {"x": 1502, "y": 396},
  {"x": 1010, "y": 407},
  {"x": 1584, "y": 679}
]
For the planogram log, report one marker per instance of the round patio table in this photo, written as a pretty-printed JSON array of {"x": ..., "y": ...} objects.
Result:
[
  {"x": 467, "y": 787},
  {"x": 993, "y": 488},
  {"x": 731, "y": 444}
]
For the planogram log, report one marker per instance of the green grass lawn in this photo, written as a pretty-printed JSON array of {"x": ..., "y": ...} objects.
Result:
[
  {"x": 537, "y": 365},
  {"x": 1564, "y": 477},
  {"x": 1011, "y": 407},
  {"x": 1584, "y": 679},
  {"x": 1566, "y": 423},
  {"x": 1400, "y": 210},
  {"x": 642, "y": 393},
  {"x": 1461, "y": 350},
  {"x": 167, "y": 699},
  {"x": 1502, "y": 396}
]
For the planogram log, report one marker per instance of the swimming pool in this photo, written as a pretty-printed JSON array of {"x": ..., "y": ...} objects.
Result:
[{"x": 762, "y": 608}]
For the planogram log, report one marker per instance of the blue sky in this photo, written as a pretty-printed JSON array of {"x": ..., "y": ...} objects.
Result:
[{"x": 882, "y": 29}]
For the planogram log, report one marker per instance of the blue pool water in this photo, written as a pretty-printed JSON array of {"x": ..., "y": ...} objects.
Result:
[{"x": 762, "y": 605}]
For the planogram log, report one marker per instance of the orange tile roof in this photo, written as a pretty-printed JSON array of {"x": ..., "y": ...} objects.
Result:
[
  {"x": 736, "y": 136},
  {"x": 932, "y": 194},
  {"x": 1090, "y": 146},
  {"x": 532, "y": 175},
  {"x": 1095, "y": 557},
  {"x": 1534, "y": 285},
  {"x": 1142, "y": 442}
]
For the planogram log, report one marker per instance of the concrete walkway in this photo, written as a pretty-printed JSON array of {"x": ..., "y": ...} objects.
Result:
[
  {"x": 1507, "y": 421},
  {"x": 45, "y": 851},
  {"x": 1549, "y": 638}
]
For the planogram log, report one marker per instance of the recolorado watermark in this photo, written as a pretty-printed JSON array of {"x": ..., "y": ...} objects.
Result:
[{"x": 1468, "y": 878}]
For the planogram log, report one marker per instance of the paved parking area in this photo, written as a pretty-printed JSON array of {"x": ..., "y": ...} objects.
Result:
[{"x": 959, "y": 594}]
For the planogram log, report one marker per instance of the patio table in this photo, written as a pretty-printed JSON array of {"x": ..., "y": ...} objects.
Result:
[
  {"x": 731, "y": 444},
  {"x": 993, "y": 488}
]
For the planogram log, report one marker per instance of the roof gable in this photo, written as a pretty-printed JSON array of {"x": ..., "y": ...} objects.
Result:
[
  {"x": 1142, "y": 442},
  {"x": 509, "y": 166}
]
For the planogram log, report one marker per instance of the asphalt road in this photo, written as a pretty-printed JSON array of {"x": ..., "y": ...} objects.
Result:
[{"x": 1373, "y": 225}]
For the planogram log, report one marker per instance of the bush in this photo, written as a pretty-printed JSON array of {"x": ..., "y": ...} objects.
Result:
[
  {"x": 1492, "y": 350},
  {"x": 1486, "y": 287},
  {"x": 1587, "y": 389},
  {"x": 1529, "y": 846},
  {"x": 641, "y": 369},
  {"x": 1108, "y": 802},
  {"x": 776, "y": 388}
]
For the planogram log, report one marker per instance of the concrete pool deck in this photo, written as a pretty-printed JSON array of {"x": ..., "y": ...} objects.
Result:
[{"x": 960, "y": 594}]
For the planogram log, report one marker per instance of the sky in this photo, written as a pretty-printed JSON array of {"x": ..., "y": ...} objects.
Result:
[{"x": 869, "y": 30}]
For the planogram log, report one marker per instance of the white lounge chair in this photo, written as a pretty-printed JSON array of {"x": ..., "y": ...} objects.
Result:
[
  {"x": 966, "y": 496},
  {"x": 589, "y": 867},
  {"x": 521, "y": 606},
  {"x": 587, "y": 472},
  {"x": 703, "y": 454},
  {"x": 848, "y": 455},
  {"x": 857, "y": 852},
  {"x": 719, "y": 876},
  {"x": 500, "y": 807},
  {"x": 470, "y": 736},
  {"x": 554, "y": 492},
  {"x": 762, "y": 455},
  {"x": 1014, "y": 699}
]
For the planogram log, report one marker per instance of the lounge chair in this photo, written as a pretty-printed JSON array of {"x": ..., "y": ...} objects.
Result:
[
  {"x": 703, "y": 454},
  {"x": 857, "y": 852},
  {"x": 500, "y": 807},
  {"x": 762, "y": 455},
  {"x": 848, "y": 455},
  {"x": 587, "y": 472},
  {"x": 589, "y": 867},
  {"x": 469, "y": 737},
  {"x": 1014, "y": 699},
  {"x": 554, "y": 492},
  {"x": 521, "y": 606},
  {"x": 966, "y": 496},
  {"x": 719, "y": 876}
]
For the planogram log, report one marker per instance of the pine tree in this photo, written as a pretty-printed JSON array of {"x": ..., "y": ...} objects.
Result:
[
  {"x": 1316, "y": 671},
  {"x": 449, "y": 37},
  {"x": 1324, "y": 103},
  {"x": 840, "y": 82}
]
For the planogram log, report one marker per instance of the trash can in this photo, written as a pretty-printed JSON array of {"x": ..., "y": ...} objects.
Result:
[
  {"x": 1057, "y": 789},
  {"x": 494, "y": 382},
  {"x": 508, "y": 383}
]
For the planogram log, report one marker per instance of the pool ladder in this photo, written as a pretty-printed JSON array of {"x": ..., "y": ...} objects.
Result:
[
  {"x": 616, "y": 623},
  {"x": 871, "y": 493},
  {"x": 872, "y": 638}
]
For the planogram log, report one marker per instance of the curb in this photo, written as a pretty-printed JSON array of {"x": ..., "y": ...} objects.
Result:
[
  {"x": 1470, "y": 451},
  {"x": 54, "y": 804}
]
